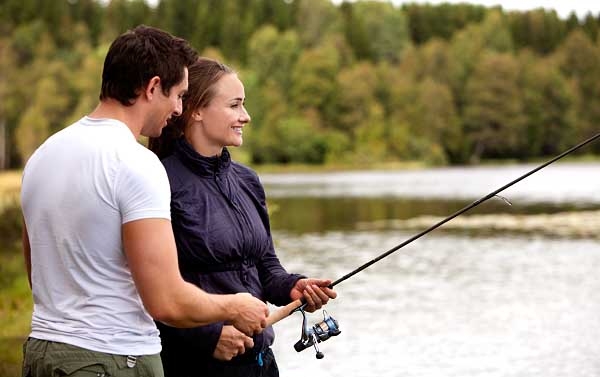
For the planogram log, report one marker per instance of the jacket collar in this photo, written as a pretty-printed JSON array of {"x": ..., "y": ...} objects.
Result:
[{"x": 201, "y": 165}]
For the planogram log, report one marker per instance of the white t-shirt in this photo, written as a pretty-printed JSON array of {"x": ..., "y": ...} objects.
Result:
[{"x": 78, "y": 188}]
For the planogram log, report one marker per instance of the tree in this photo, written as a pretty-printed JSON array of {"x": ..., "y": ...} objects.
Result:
[
  {"x": 539, "y": 30},
  {"x": 206, "y": 31},
  {"x": 355, "y": 32},
  {"x": 7, "y": 71},
  {"x": 272, "y": 55},
  {"x": 429, "y": 21},
  {"x": 370, "y": 141},
  {"x": 548, "y": 103},
  {"x": 495, "y": 32},
  {"x": 464, "y": 53},
  {"x": 434, "y": 58},
  {"x": 14, "y": 13},
  {"x": 314, "y": 78},
  {"x": 91, "y": 13},
  {"x": 436, "y": 123},
  {"x": 493, "y": 114},
  {"x": 318, "y": 19},
  {"x": 85, "y": 82},
  {"x": 397, "y": 91},
  {"x": 122, "y": 15},
  {"x": 356, "y": 98},
  {"x": 590, "y": 26},
  {"x": 234, "y": 25},
  {"x": 386, "y": 28},
  {"x": 578, "y": 60}
]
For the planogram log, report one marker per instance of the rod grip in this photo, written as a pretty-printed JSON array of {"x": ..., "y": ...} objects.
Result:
[{"x": 283, "y": 312}]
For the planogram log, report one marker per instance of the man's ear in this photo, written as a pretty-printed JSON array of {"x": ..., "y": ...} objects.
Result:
[{"x": 152, "y": 87}]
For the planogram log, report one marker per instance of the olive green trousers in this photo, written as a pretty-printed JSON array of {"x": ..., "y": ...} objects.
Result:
[{"x": 42, "y": 358}]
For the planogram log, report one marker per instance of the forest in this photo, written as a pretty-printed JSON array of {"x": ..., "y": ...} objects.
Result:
[{"x": 352, "y": 83}]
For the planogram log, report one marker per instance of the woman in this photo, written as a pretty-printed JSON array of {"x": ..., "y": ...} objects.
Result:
[{"x": 221, "y": 226}]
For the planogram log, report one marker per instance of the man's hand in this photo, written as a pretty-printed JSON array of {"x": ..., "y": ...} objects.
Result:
[
  {"x": 231, "y": 344},
  {"x": 250, "y": 314},
  {"x": 314, "y": 291}
]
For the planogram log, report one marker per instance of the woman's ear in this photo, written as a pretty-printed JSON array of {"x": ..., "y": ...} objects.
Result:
[{"x": 197, "y": 115}]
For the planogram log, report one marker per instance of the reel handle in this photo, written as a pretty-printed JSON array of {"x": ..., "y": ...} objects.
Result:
[{"x": 283, "y": 312}]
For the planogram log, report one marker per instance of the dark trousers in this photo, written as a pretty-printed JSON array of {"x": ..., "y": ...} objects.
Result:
[{"x": 249, "y": 366}]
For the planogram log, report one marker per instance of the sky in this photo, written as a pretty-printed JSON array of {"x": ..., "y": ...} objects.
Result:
[{"x": 562, "y": 7}]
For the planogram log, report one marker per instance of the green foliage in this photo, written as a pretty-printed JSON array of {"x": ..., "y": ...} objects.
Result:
[
  {"x": 361, "y": 81},
  {"x": 356, "y": 89},
  {"x": 15, "y": 296},
  {"x": 548, "y": 106},
  {"x": 15, "y": 310},
  {"x": 578, "y": 60},
  {"x": 316, "y": 19},
  {"x": 539, "y": 30},
  {"x": 428, "y": 21},
  {"x": 438, "y": 122},
  {"x": 272, "y": 55},
  {"x": 495, "y": 33},
  {"x": 291, "y": 140},
  {"x": 493, "y": 117},
  {"x": 313, "y": 78},
  {"x": 386, "y": 29},
  {"x": 10, "y": 226}
]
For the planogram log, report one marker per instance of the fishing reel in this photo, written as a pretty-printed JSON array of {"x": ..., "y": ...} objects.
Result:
[{"x": 320, "y": 332}]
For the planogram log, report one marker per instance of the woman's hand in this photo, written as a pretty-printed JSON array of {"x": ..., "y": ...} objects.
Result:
[
  {"x": 232, "y": 343},
  {"x": 314, "y": 291}
]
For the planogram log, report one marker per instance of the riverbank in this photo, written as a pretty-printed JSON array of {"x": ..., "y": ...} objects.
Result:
[{"x": 580, "y": 224}]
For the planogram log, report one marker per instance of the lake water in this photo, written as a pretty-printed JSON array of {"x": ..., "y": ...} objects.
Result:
[{"x": 453, "y": 303}]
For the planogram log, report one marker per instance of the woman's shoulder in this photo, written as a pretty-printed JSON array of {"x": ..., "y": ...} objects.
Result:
[
  {"x": 249, "y": 177},
  {"x": 244, "y": 171},
  {"x": 176, "y": 171}
]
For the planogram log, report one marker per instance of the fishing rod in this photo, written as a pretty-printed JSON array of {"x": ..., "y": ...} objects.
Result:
[{"x": 329, "y": 326}]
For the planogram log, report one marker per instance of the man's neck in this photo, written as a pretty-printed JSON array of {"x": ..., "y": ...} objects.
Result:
[{"x": 113, "y": 109}]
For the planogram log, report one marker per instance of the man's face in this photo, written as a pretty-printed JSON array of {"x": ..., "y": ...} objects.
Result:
[{"x": 164, "y": 107}]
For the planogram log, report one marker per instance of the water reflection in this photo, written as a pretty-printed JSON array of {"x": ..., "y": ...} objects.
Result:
[
  {"x": 558, "y": 183},
  {"x": 314, "y": 214},
  {"x": 450, "y": 304}
]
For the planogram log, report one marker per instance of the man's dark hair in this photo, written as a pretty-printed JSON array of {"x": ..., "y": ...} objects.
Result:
[{"x": 140, "y": 54}]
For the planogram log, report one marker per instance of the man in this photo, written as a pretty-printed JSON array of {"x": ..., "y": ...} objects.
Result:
[{"x": 97, "y": 236}]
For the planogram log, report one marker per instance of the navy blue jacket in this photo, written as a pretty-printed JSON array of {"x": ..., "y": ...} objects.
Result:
[{"x": 221, "y": 226}]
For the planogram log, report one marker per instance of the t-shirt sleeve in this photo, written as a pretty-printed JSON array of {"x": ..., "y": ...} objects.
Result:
[{"x": 142, "y": 188}]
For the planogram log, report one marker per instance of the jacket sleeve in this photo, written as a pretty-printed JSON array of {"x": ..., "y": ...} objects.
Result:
[
  {"x": 198, "y": 341},
  {"x": 277, "y": 282}
]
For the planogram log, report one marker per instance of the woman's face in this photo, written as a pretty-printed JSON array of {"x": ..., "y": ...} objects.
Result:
[{"x": 221, "y": 122}]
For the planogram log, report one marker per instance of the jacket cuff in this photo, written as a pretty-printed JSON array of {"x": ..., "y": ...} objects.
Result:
[{"x": 280, "y": 294}]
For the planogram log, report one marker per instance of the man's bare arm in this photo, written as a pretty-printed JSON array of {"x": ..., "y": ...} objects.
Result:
[
  {"x": 151, "y": 252},
  {"x": 26, "y": 251}
]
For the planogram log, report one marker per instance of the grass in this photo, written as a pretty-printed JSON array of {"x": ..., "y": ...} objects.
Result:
[
  {"x": 10, "y": 184},
  {"x": 15, "y": 310},
  {"x": 15, "y": 296}
]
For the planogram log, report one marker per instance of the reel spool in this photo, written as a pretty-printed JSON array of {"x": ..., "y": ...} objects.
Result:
[{"x": 319, "y": 332}]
